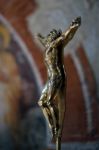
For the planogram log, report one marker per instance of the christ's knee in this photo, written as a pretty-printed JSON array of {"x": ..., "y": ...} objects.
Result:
[{"x": 42, "y": 103}]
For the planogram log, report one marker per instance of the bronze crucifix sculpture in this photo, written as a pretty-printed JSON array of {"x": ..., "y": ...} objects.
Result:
[{"x": 52, "y": 100}]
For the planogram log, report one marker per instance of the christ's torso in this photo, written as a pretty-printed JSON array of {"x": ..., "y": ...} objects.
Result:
[{"x": 54, "y": 61}]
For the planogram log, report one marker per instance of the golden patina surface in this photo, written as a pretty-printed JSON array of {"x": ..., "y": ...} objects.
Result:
[{"x": 52, "y": 100}]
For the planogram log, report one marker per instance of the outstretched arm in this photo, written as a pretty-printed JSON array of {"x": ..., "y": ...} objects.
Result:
[
  {"x": 41, "y": 39},
  {"x": 69, "y": 33}
]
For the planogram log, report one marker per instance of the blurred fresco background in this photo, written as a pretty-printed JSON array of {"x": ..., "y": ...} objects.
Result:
[{"x": 23, "y": 74}]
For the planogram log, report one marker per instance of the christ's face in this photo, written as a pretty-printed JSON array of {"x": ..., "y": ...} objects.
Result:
[{"x": 53, "y": 35}]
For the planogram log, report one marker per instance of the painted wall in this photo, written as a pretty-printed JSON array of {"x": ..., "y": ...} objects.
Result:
[{"x": 21, "y": 21}]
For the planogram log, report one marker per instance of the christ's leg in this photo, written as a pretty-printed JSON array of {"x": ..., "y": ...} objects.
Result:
[{"x": 48, "y": 106}]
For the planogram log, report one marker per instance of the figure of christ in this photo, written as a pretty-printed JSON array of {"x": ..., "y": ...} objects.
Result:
[{"x": 52, "y": 100}]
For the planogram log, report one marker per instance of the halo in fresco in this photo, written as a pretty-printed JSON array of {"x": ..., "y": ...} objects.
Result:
[{"x": 20, "y": 87}]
